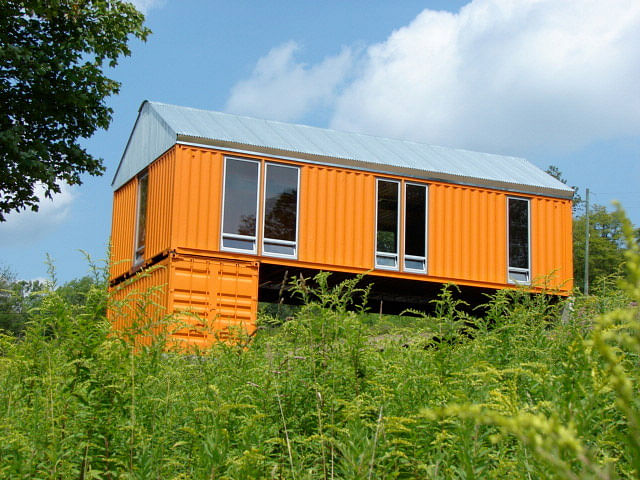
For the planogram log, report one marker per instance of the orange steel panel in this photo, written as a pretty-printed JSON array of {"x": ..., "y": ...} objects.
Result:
[
  {"x": 137, "y": 304},
  {"x": 159, "y": 204},
  {"x": 337, "y": 217},
  {"x": 467, "y": 234},
  {"x": 223, "y": 295},
  {"x": 197, "y": 199},
  {"x": 123, "y": 228},
  {"x": 211, "y": 299},
  {"x": 467, "y": 231},
  {"x": 551, "y": 242}
]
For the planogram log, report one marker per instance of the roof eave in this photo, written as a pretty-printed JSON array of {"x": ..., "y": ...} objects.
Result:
[{"x": 237, "y": 147}]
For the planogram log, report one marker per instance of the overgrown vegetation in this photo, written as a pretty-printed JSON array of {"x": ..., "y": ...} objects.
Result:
[{"x": 533, "y": 390}]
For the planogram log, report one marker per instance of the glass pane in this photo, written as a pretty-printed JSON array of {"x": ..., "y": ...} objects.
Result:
[
  {"x": 414, "y": 264},
  {"x": 386, "y": 261},
  {"x": 238, "y": 243},
  {"x": 387, "y": 231},
  {"x": 240, "y": 197},
  {"x": 518, "y": 233},
  {"x": 415, "y": 228},
  {"x": 519, "y": 277},
  {"x": 281, "y": 201},
  {"x": 143, "y": 188},
  {"x": 279, "y": 249}
]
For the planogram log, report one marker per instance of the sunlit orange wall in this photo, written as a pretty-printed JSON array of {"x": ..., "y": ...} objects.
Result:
[
  {"x": 197, "y": 199},
  {"x": 467, "y": 226},
  {"x": 337, "y": 217},
  {"x": 467, "y": 234},
  {"x": 222, "y": 293},
  {"x": 551, "y": 234},
  {"x": 123, "y": 228},
  {"x": 160, "y": 199}
]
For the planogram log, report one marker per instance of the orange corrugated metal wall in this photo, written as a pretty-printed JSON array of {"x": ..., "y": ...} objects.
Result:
[
  {"x": 466, "y": 225},
  {"x": 123, "y": 228},
  {"x": 197, "y": 200},
  {"x": 337, "y": 217},
  {"x": 551, "y": 241},
  {"x": 138, "y": 303},
  {"x": 221, "y": 294},
  {"x": 467, "y": 234},
  {"x": 159, "y": 204}
]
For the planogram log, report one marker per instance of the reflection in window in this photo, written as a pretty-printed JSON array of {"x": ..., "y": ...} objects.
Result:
[
  {"x": 280, "y": 210},
  {"x": 387, "y": 224},
  {"x": 518, "y": 220},
  {"x": 141, "y": 222},
  {"x": 415, "y": 227},
  {"x": 240, "y": 204}
]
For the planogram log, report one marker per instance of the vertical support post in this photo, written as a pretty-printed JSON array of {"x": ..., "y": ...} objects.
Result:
[{"x": 586, "y": 247}]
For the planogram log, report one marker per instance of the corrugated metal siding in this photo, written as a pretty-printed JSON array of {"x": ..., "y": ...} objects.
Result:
[
  {"x": 159, "y": 126},
  {"x": 551, "y": 239},
  {"x": 337, "y": 217},
  {"x": 123, "y": 228},
  {"x": 212, "y": 299},
  {"x": 159, "y": 204},
  {"x": 150, "y": 137},
  {"x": 197, "y": 199},
  {"x": 467, "y": 234},
  {"x": 139, "y": 303}
]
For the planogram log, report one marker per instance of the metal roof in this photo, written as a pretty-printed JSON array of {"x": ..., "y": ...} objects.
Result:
[{"x": 159, "y": 126}]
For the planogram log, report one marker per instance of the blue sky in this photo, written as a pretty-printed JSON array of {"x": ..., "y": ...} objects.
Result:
[{"x": 555, "y": 82}]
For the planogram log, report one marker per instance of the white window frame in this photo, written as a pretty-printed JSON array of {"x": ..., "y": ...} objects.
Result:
[
  {"x": 235, "y": 236},
  {"x": 511, "y": 269},
  {"x": 395, "y": 256},
  {"x": 426, "y": 230},
  {"x": 274, "y": 241},
  {"x": 138, "y": 250}
]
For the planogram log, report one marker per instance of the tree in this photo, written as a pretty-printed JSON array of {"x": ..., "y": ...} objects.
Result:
[
  {"x": 17, "y": 299},
  {"x": 606, "y": 244},
  {"x": 53, "y": 89},
  {"x": 557, "y": 174}
]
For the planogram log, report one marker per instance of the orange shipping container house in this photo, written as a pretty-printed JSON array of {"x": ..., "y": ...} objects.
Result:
[{"x": 227, "y": 205}]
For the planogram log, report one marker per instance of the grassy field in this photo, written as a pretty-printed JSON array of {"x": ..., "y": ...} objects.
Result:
[{"x": 527, "y": 392}]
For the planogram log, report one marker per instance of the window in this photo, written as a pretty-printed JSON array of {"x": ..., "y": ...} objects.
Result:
[
  {"x": 415, "y": 228},
  {"x": 413, "y": 257},
  {"x": 240, "y": 205},
  {"x": 519, "y": 257},
  {"x": 280, "y": 210},
  {"x": 141, "y": 221},
  {"x": 388, "y": 206}
]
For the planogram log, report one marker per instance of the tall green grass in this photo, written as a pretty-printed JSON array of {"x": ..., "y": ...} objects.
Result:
[{"x": 526, "y": 393}]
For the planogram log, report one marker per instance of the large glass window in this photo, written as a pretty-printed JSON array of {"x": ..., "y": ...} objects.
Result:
[
  {"x": 240, "y": 205},
  {"x": 415, "y": 228},
  {"x": 518, "y": 220},
  {"x": 388, "y": 206},
  {"x": 280, "y": 210},
  {"x": 141, "y": 220}
]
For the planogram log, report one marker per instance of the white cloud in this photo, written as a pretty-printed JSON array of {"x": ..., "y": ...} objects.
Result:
[
  {"x": 145, "y": 5},
  {"x": 281, "y": 88},
  {"x": 26, "y": 226},
  {"x": 504, "y": 75},
  {"x": 499, "y": 75}
]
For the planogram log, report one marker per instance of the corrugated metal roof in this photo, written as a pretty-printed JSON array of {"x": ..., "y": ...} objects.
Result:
[{"x": 161, "y": 125}]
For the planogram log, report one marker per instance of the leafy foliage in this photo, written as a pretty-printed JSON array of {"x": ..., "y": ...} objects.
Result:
[
  {"x": 606, "y": 239},
  {"x": 606, "y": 244},
  {"x": 528, "y": 392},
  {"x": 53, "y": 89}
]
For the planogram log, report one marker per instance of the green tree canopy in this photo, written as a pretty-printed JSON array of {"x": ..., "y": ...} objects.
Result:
[
  {"x": 606, "y": 244},
  {"x": 53, "y": 89}
]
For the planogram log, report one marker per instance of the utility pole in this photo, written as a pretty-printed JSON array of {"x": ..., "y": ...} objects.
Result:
[{"x": 586, "y": 248}]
